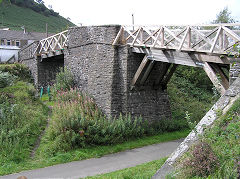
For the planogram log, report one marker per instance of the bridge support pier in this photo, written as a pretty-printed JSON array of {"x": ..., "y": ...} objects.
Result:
[{"x": 105, "y": 72}]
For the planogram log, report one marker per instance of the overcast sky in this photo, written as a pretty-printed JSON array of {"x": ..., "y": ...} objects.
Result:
[{"x": 153, "y": 12}]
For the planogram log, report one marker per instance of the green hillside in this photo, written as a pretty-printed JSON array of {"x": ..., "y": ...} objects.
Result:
[{"x": 14, "y": 17}]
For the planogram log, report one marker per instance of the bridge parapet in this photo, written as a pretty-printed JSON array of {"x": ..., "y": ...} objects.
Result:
[{"x": 212, "y": 38}]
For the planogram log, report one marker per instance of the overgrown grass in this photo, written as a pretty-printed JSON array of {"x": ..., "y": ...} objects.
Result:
[
  {"x": 15, "y": 17},
  {"x": 22, "y": 118},
  {"x": 223, "y": 141},
  {"x": 145, "y": 171}
]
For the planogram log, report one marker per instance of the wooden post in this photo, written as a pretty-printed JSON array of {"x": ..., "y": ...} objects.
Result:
[
  {"x": 224, "y": 78},
  {"x": 164, "y": 70},
  {"x": 213, "y": 77},
  {"x": 147, "y": 72},
  {"x": 139, "y": 71},
  {"x": 168, "y": 76}
]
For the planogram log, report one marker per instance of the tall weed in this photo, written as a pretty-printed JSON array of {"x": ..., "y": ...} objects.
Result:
[
  {"x": 22, "y": 118},
  {"x": 78, "y": 122}
]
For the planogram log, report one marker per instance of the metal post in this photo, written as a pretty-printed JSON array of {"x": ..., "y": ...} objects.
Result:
[{"x": 133, "y": 21}]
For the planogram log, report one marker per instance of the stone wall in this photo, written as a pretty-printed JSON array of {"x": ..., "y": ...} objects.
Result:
[
  {"x": 234, "y": 71},
  {"x": 26, "y": 56},
  {"x": 105, "y": 72}
]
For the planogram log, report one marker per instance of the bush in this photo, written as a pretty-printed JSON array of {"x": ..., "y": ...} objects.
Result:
[
  {"x": 6, "y": 79},
  {"x": 78, "y": 122},
  {"x": 18, "y": 70},
  {"x": 64, "y": 80},
  {"x": 202, "y": 161},
  {"x": 190, "y": 90}
]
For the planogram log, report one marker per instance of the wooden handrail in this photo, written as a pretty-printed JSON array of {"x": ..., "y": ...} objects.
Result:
[{"x": 210, "y": 38}]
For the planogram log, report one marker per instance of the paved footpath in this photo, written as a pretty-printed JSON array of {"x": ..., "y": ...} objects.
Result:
[{"x": 105, "y": 164}]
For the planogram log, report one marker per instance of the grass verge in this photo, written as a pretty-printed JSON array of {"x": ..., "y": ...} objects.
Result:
[
  {"x": 89, "y": 152},
  {"x": 146, "y": 170},
  {"x": 217, "y": 155}
]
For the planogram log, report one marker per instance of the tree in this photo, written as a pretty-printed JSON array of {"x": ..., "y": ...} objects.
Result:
[{"x": 224, "y": 16}]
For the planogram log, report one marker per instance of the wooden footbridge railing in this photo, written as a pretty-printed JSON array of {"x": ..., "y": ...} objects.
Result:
[
  {"x": 213, "y": 38},
  {"x": 204, "y": 46},
  {"x": 52, "y": 45}
]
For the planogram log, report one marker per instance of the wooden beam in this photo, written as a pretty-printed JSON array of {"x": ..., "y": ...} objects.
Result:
[
  {"x": 204, "y": 37},
  {"x": 168, "y": 76},
  {"x": 183, "y": 39},
  {"x": 119, "y": 36},
  {"x": 164, "y": 70},
  {"x": 174, "y": 37},
  {"x": 158, "y": 35},
  {"x": 139, "y": 71},
  {"x": 215, "y": 40},
  {"x": 135, "y": 38},
  {"x": 152, "y": 35},
  {"x": 224, "y": 78},
  {"x": 182, "y": 58},
  {"x": 147, "y": 72},
  {"x": 213, "y": 77},
  {"x": 231, "y": 33}
]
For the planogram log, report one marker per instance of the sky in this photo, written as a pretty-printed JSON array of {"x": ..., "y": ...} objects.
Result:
[{"x": 146, "y": 12}]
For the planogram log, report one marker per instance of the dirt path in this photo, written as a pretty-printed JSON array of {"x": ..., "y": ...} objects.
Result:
[{"x": 41, "y": 135}]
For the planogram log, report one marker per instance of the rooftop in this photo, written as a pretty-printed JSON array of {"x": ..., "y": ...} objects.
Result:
[{"x": 21, "y": 35}]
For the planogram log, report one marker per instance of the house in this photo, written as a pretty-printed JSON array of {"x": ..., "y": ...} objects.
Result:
[{"x": 12, "y": 41}]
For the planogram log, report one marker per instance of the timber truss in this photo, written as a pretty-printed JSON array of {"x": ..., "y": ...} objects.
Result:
[
  {"x": 205, "y": 46},
  {"x": 53, "y": 45}
]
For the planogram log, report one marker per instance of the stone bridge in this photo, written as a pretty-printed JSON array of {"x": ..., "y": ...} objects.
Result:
[{"x": 126, "y": 70}]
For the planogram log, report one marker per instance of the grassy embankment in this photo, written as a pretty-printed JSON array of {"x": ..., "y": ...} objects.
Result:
[
  {"x": 77, "y": 135},
  {"x": 217, "y": 154},
  {"x": 64, "y": 142}
]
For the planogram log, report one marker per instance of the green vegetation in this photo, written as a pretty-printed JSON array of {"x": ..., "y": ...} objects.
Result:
[
  {"x": 218, "y": 153},
  {"x": 191, "y": 93},
  {"x": 22, "y": 117},
  {"x": 146, "y": 170},
  {"x": 41, "y": 160},
  {"x": 37, "y": 6},
  {"x": 77, "y": 122},
  {"x": 78, "y": 130},
  {"x": 15, "y": 17}
]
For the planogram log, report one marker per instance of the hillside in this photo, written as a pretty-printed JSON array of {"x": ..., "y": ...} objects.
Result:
[{"x": 14, "y": 17}]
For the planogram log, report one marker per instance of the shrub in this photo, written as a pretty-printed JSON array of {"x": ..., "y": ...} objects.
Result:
[
  {"x": 64, "y": 80},
  {"x": 78, "y": 122},
  {"x": 18, "y": 70},
  {"x": 202, "y": 161},
  {"x": 6, "y": 79}
]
